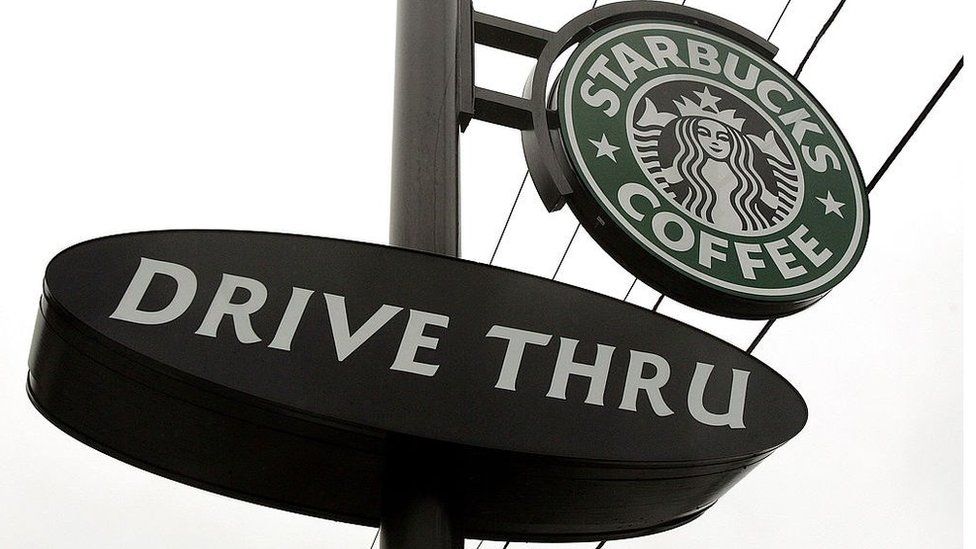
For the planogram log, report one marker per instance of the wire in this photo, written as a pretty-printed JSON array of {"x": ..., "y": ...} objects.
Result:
[
  {"x": 566, "y": 252},
  {"x": 918, "y": 122},
  {"x": 780, "y": 18},
  {"x": 631, "y": 289},
  {"x": 762, "y": 334},
  {"x": 509, "y": 218},
  {"x": 823, "y": 31}
]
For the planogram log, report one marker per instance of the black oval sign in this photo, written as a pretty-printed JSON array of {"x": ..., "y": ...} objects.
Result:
[{"x": 176, "y": 350}]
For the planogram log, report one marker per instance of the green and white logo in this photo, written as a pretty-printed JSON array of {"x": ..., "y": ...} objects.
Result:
[{"x": 713, "y": 160}]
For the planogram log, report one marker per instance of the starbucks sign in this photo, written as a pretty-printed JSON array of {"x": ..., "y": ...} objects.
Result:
[{"x": 707, "y": 170}]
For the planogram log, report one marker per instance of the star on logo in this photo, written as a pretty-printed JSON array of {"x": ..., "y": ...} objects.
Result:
[
  {"x": 604, "y": 148},
  {"x": 708, "y": 100},
  {"x": 831, "y": 205}
]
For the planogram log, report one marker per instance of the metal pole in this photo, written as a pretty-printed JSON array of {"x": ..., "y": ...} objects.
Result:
[
  {"x": 420, "y": 507},
  {"x": 420, "y": 502},
  {"x": 424, "y": 200}
]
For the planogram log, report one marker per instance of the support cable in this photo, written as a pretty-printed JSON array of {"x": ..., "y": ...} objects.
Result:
[
  {"x": 509, "y": 218},
  {"x": 631, "y": 289},
  {"x": 915, "y": 125},
  {"x": 566, "y": 252},
  {"x": 823, "y": 31},
  {"x": 778, "y": 19}
]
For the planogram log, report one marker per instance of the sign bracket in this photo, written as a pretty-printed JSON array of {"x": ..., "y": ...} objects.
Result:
[
  {"x": 502, "y": 109},
  {"x": 510, "y": 36},
  {"x": 483, "y": 104}
]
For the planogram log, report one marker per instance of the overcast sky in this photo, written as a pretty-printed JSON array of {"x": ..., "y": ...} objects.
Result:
[{"x": 124, "y": 116}]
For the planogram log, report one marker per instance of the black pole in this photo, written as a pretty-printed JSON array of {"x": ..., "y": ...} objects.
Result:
[
  {"x": 419, "y": 504},
  {"x": 420, "y": 501},
  {"x": 424, "y": 200}
]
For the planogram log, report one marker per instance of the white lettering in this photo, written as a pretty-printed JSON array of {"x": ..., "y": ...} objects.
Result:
[
  {"x": 291, "y": 318},
  {"x": 239, "y": 312},
  {"x": 186, "y": 288},
  {"x": 345, "y": 343},
  {"x": 566, "y": 366},
  {"x": 737, "y": 398},
  {"x": 747, "y": 263},
  {"x": 600, "y": 98},
  {"x": 659, "y": 224},
  {"x": 651, "y": 386},
  {"x": 626, "y": 196},
  {"x": 752, "y": 73},
  {"x": 599, "y": 68},
  {"x": 414, "y": 339},
  {"x": 703, "y": 57},
  {"x": 663, "y": 49},
  {"x": 809, "y": 247},
  {"x": 629, "y": 60},
  {"x": 517, "y": 340},
  {"x": 707, "y": 251},
  {"x": 765, "y": 91},
  {"x": 818, "y": 159},
  {"x": 798, "y": 119},
  {"x": 782, "y": 261}
]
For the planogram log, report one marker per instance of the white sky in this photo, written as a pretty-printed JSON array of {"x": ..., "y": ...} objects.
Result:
[{"x": 123, "y": 116}]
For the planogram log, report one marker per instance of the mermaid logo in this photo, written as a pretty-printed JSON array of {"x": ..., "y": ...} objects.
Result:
[
  {"x": 708, "y": 171},
  {"x": 709, "y": 164}
]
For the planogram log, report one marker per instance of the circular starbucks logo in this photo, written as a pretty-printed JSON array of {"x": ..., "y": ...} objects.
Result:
[{"x": 711, "y": 161}]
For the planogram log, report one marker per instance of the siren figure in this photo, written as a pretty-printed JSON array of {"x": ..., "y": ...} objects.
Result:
[{"x": 715, "y": 171}]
